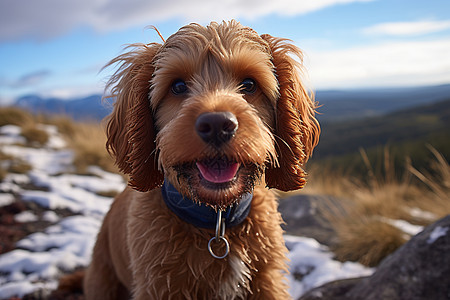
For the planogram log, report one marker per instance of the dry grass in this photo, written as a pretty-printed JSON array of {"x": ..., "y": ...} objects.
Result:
[
  {"x": 15, "y": 116},
  {"x": 367, "y": 240},
  {"x": 66, "y": 126},
  {"x": 88, "y": 142},
  {"x": 86, "y": 139},
  {"x": 35, "y": 137},
  {"x": 360, "y": 218},
  {"x": 19, "y": 166},
  {"x": 11, "y": 164},
  {"x": 438, "y": 184}
]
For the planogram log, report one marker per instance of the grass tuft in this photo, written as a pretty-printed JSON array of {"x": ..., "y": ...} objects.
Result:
[
  {"x": 35, "y": 137},
  {"x": 367, "y": 240},
  {"x": 88, "y": 142},
  {"x": 19, "y": 166},
  {"x": 15, "y": 116},
  {"x": 361, "y": 218}
]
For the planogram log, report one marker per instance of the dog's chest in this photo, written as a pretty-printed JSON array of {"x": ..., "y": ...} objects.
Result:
[{"x": 236, "y": 283}]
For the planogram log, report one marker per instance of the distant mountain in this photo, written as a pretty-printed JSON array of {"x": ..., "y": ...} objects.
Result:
[
  {"x": 82, "y": 109},
  {"x": 338, "y": 105}
]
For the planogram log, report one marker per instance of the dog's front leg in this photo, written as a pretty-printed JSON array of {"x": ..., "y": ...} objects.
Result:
[{"x": 100, "y": 280}]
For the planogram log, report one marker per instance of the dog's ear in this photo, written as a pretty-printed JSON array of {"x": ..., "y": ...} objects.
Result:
[
  {"x": 130, "y": 128},
  {"x": 297, "y": 130}
]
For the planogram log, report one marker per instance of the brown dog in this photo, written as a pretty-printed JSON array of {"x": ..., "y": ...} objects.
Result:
[{"x": 203, "y": 124}]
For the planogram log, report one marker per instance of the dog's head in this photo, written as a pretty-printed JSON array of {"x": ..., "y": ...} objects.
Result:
[{"x": 212, "y": 110}]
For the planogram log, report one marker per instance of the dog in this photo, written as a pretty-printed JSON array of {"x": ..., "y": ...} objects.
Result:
[{"x": 204, "y": 124}]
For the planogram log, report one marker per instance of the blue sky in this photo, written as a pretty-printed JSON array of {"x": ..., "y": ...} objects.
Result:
[{"x": 57, "y": 48}]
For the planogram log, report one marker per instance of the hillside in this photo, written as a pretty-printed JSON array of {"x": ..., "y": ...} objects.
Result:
[
  {"x": 341, "y": 105},
  {"x": 405, "y": 132}
]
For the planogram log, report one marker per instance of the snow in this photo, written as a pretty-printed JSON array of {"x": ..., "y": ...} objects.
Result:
[
  {"x": 10, "y": 134},
  {"x": 6, "y": 199},
  {"x": 48, "y": 160},
  {"x": 67, "y": 244},
  {"x": 43, "y": 256},
  {"x": 55, "y": 141},
  {"x": 405, "y": 226},
  {"x": 315, "y": 265},
  {"x": 26, "y": 216},
  {"x": 421, "y": 214},
  {"x": 437, "y": 233},
  {"x": 50, "y": 216}
]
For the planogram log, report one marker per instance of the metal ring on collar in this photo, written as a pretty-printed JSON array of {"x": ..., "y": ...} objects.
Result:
[{"x": 227, "y": 247}]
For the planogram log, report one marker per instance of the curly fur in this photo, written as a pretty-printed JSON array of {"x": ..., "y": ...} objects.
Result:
[{"x": 143, "y": 250}]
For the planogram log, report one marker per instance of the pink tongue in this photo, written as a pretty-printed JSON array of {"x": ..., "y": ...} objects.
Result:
[{"x": 218, "y": 173}]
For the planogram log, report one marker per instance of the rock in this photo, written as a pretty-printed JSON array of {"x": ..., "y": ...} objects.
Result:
[
  {"x": 304, "y": 216},
  {"x": 335, "y": 290},
  {"x": 419, "y": 270}
]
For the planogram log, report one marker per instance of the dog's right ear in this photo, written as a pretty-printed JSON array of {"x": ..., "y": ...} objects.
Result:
[{"x": 130, "y": 128}]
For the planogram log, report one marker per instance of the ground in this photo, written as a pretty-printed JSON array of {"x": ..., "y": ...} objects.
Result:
[{"x": 50, "y": 217}]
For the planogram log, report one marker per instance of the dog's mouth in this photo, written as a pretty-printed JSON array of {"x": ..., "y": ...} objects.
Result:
[
  {"x": 218, "y": 170},
  {"x": 218, "y": 182}
]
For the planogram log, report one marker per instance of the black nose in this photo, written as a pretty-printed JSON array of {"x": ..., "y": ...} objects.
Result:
[{"x": 216, "y": 127}]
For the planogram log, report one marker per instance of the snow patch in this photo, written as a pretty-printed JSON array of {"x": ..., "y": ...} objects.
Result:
[
  {"x": 50, "y": 161},
  {"x": 10, "y": 134},
  {"x": 25, "y": 217},
  {"x": 422, "y": 214},
  {"x": 6, "y": 199},
  {"x": 50, "y": 216},
  {"x": 404, "y": 226},
  {"x": 55, "y": 141},
  {"x": 437, "y": 233},
  {"x": 312, "y": 265},
  {"x": 67, "y": 244}
]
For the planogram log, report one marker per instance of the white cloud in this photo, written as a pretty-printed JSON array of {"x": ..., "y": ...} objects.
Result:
[
  {"x": 30, "y": 79},
  {"x": 390, "y": 64},
  {"x": 407, "y": 28},
  {"x": 48, "y": 18}
]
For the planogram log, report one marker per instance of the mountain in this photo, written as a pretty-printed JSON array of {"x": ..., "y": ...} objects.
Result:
[
  {"x": 82, "y": 109},
  {"x": 338, "y": 105}
]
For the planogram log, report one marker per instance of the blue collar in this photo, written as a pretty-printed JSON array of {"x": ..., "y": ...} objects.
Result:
[{"x": 201, "y": 215}]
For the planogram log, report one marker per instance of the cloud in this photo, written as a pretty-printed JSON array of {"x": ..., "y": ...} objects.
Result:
[
  {"x": 27, "y": 80},
  {"x": 49, "y": 18},
  {"x": 407, "y": 28},
  {"x": 389, "y": 64}
]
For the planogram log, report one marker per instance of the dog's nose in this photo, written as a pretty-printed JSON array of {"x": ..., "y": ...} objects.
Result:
[{"x": 216, "y": 127}]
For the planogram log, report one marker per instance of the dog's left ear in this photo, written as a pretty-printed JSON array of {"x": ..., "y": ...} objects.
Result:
[{"x": 297, "y": 130}]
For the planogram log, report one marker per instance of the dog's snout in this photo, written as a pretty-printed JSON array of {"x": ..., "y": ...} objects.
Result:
[{"x": 216, "y": 127}]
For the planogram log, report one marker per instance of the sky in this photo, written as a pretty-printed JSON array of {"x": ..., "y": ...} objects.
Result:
[{"x": 57, "y": 48}]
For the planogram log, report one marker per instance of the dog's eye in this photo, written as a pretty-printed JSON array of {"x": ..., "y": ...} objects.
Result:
[
  {"x": 248, "y": 86},
  {"x": 179, "y": 87}
]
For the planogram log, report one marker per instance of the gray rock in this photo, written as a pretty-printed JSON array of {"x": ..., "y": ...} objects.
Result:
[
  {"x": 304, "y": 216},
  {"x": 335, "y": 290},
  {"x": 419, "y": 270}
]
